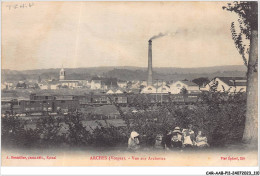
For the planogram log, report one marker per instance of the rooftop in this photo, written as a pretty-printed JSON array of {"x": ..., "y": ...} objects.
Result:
[
  {"x": 234, "y": 81},
  {"x": 189, "y": 83}
]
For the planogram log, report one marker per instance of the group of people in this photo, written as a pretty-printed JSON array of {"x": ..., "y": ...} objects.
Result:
[{"x": 176, "y": 139}]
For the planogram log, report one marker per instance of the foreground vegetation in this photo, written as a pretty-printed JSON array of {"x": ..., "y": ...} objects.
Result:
[{"x": 221, "y": 116}]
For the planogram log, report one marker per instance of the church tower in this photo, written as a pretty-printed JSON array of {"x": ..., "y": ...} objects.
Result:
[{"x": 62, "y": 74}]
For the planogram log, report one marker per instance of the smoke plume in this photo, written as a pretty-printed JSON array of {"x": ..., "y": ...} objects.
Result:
[
  {"x": 171, "y": 34},
  {"x": 158, "y": 36}
]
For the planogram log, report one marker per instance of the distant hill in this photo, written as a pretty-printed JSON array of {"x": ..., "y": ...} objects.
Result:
[{"x": 127, "y": 73}]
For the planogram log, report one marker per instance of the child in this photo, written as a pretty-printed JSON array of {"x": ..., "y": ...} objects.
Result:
[
  {"x": 133, "y": 141},
  {"x": 158, "y": 142},
  {"x": 201, "y": 140},
  {"x": 177, "y": 138},
  {"x": 188, "y": 137},
  {"x": 176, "y": 143},
  {"x": 177, "y": 131}
]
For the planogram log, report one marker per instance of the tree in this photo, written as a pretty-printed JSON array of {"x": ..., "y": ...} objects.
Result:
[
  {"x": 184, "y": 91},
  {"x": 201, "y": 81},
  {"x": 21, "y": 85},
  {"x": 248, "y": 25}
]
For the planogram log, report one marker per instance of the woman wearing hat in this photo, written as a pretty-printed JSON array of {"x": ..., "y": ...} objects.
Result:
[
  {"x": 177, "y": 131},
  {"x": 176, "y": 138},
  {"x": 133, "y": 142}
]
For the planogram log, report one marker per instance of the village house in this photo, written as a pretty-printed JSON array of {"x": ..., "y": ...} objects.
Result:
[
  {"x": 143, "y": 83},
  {"x": 3, "y": 86},
  {"x": 138, "y": 84},
  {"x": 95, "y": 84},
  {"x": 21, "y": 85},
  {"x": 44, "y": 85},
  {"x": 122, "y": 84},
  {"x": 231, "y": 84},
  {"x": 53, "y": 85},
  {"x": 176, "y": 87},
  {"x": 135, "y": 84},
  {"x": 7, "y": 85},
  {"x": 69, "y": 83}
]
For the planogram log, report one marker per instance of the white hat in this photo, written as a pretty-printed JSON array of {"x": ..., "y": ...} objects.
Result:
[
  {"x": 177, "y": 130},
  {"x": 134, "y": 134}
]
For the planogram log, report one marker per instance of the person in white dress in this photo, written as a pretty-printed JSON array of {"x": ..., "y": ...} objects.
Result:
[{"x": 133, "y": 141}]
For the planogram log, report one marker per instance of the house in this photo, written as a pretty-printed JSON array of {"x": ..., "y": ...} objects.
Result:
[
  {"x": 88, "y": 83},
  {"x": 53, "y": 86},
  {"x": 232, "y": 84},
  {"x": 95, "y": 84},
  {"x": 135, "y": 84},
  {"x": 43, "y": 86},
  {"x": 69, "y": 83},
  {"x": 3, "y": 86},
  {"x": 21, "y": 85},
  {"x": 7, "y": 85},
  {"x": 122, "y": 84},
  {"x": 47, "y": 85},
  {"x": 191, "y": 87},
  {"x": 143, "y": 83}
]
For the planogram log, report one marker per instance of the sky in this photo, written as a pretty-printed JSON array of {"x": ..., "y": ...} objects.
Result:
[{"x": 93, "y": 34}]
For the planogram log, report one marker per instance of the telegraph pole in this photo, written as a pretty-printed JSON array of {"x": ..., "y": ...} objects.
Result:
[
  {"x": 156, "y": 91},
  {"x": 161, "y": 91}
]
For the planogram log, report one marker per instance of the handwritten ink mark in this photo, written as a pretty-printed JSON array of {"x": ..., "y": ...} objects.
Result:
[{"x": 20, "y": 6}]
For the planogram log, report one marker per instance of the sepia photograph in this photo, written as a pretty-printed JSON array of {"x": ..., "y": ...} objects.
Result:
[{"x": 113, "y": 83}]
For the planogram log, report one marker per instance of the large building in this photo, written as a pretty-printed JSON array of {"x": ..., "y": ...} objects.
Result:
[
  {"x": 177, "y": 87},
  {"x": 231, "y": 84},
  {"x": 63, "y": 82},
  {"x": 67, "y": 83},
  {"x": 162, "y": 89},
  {"x": 96, "y": 84}
]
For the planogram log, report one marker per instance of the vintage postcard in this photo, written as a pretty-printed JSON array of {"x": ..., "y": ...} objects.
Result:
[{"x": 129, "y": 83}]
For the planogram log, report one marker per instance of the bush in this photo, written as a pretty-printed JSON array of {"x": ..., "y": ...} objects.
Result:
[
  {"x": 14, "y": 133},
  {"x": 48, "y": 129},
  {"x": 108, "y": 136},
  {"x": 77, "y": 134},
  {"x": 220, "y": 115}
]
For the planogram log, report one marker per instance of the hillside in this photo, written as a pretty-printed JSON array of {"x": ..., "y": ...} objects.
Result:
[{"x": 127, "y": 73}]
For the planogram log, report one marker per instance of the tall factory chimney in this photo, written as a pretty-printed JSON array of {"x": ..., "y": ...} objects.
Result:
[{"x": 150, "y": 68}]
